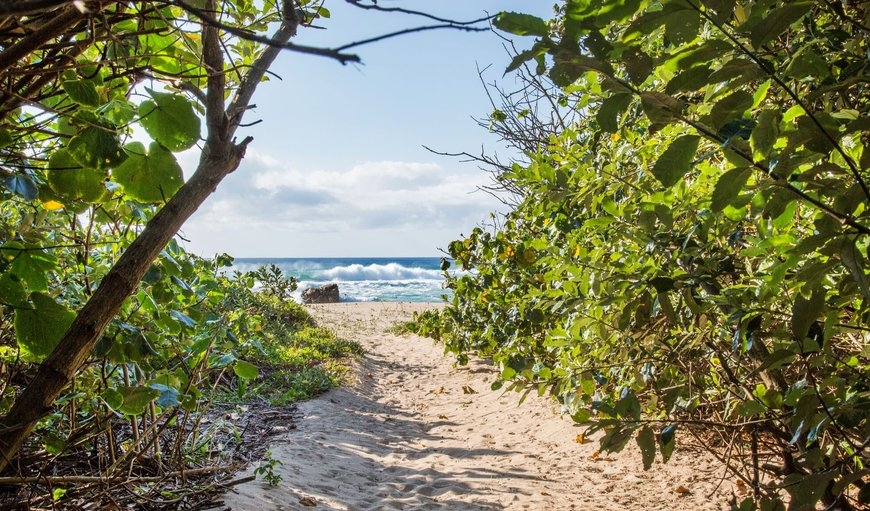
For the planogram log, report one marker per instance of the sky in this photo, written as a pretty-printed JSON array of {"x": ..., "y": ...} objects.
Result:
[{"x": 337, "y": 167}]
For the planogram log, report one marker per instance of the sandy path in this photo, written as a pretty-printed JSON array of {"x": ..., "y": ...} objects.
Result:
[{"x": 411, "y": 435}]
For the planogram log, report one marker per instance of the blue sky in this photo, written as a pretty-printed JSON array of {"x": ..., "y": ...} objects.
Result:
[{"x": 337, "y": 166}]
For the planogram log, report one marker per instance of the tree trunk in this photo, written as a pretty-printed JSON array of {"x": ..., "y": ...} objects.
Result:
[
  {"x": 220, "y": 156},
  {"x": 122, "y": 280}
]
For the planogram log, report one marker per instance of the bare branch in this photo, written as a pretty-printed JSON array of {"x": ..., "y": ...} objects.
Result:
[
  {"x": 413, "y": 30},
  {"x": 208, "y": 19},
  {"x": 376, "y": 7}
]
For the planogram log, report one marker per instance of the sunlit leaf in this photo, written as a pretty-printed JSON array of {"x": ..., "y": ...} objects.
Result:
[
  {"x": 154, "y": 176},
  {"x": 245, "y": 370},
  {"x": 764, "y": 134},
  {"x": 41, "y": 327},
  {"x": 70, "y": 181},
  {"x": 170, "y": 120},
  {"x": 520, "y": 24},
  {"x": 137, "y": 399},
  {"x": 96, "y": 148}
]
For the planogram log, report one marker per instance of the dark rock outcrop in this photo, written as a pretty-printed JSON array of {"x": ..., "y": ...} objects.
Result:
[{"x": 327, "y": 293}]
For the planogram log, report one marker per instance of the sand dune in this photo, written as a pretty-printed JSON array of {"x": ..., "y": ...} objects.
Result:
[{"x": 415, "y": 432}]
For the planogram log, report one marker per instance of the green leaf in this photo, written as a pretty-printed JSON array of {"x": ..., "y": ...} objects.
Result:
[
  {"x": 118, "y": 111},
  {"x": 31, "y": 266},
  {"x": 170, "y": 120},
  {"x": 667, "y": 441},
  {"x": 96, "y": 148},
  {"x": 728, "y": 186},
  {"x": 570, "y": 65},
  {"x": 691, "y": 79},
  {"x": 778, "y": 20},
  {"x": 521, "y": 59},
  {"x": 70, "y": 181},
  {"x": 168, "y": 394},
  {"x": 82, "y": 92},
  {"x": 805, "y": 312},
  {"x": 808, "y": 63},
  {"x": 682, "y": 25},
  {"x": 731, "y": 107},
  {"x": 40, "y": 328},
  {"x": 137, "y": 399},
  {"x": 637, "y": 64},
  {"x": 764, "y": 134},
  {"x": 673, "y": 164},
  {"x": 12, "y": 290},
  {"x": 151, "y": 177},
  {"x": 646, "y": 440},
  {"x": 806, "y": 490},
  {"x": 113, "y": 398},
  {"x": 182, "y": 318},
  {"x": 661, "y": 109},
  {"x": 245, "y": 370},
  {"x": 520, "y": 24},
  {"x": 21, "y": 185},
  {"x": 610, "y": 109},
  {"x": 854, "y": 261}
]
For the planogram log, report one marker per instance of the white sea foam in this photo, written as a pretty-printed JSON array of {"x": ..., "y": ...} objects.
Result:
[
  {"x": 383, "y": 272},
  {"x": 363, "y": 279}
]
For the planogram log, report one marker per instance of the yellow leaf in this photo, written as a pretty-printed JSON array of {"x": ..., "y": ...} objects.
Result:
[
  {"x": 581, "y": 439},
  {"x": 52, "y": 205}
]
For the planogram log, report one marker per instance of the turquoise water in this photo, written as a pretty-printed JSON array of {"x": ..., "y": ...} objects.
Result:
[{"x": 362, "y": 279}]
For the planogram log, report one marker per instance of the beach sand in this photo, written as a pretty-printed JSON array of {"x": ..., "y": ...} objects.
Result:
[{"x": 418, "y": 432}]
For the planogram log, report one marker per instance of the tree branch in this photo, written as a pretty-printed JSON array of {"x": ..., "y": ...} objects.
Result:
[
  {"x": 208, "y": 19},
  {"x": 414, "y": 30},
  {"x": 242, "y": 99},
  {"x": 376, "y": 7}
]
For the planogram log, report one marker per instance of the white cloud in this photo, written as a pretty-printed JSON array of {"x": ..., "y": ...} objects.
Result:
[{"x": 266, "y": 207}]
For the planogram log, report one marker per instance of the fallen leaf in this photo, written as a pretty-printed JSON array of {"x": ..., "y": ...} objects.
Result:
[
  {"x": 581, "y": 439},
  {"x": 442, "y": 416},
  {"x": 682, "y": 490},
  {"x": 468, "y": 390},
  {"x": 595, "y": 455},
  {"x": 307, "y": 502}
]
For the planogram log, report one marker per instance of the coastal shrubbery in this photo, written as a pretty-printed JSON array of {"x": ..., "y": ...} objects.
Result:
[
  {"x": 195, "y": 343},
  {"x": 687, "y": 251}
]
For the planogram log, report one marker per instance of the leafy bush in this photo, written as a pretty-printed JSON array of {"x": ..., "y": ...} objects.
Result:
[{"x": 689, "y": 251}]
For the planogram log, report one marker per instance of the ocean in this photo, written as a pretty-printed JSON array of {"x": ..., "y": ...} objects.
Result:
[{"x": 362, "y": 279}]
